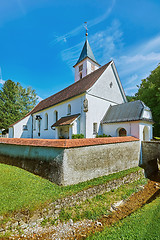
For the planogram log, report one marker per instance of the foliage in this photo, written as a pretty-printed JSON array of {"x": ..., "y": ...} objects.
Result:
[
  {"x": 149, "y": 93},
  {"x": 100, "y": 204},
  {"x": 131, "y": 98},
  {"x": 74, "y": 136},
  {"x": 20, "y": 189},
  {"x": 104, "y": 135},
  {"x": 15, "y": 103},
  {"x": 142, "y": 225}
]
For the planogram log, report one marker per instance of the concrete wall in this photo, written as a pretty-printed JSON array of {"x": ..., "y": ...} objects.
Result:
[
  {"x": 150, "y": 157},
  {"x": 42, "y": 161},
  {"x": 85, "y": 163},
  {"x": 66, "y": 166}
]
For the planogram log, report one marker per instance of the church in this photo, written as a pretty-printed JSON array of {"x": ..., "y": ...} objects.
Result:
[{"x": 95, "y": 104}]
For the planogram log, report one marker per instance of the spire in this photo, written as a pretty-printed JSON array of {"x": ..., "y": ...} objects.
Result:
[{"x": 86, "y": 52}]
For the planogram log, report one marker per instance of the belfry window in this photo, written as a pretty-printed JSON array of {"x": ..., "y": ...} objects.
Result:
[
  {"x": 80, "y": 67},
  {"x": 80, "y": 75}
]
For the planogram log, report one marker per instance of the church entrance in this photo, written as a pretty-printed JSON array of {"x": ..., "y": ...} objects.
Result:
[
  {"x": 122, "y": 132},
  {"x": 64, "y": 132}
]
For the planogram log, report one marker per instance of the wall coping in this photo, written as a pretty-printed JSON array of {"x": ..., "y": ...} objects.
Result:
[{"x": 66, "y": 143}]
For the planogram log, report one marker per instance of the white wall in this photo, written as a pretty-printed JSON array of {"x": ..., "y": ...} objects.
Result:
[
  {"x": 147, "y": 114},
  {"x": 102, "y": 87},
  {"x": 86, "y": 68},
  {"x": 62, "y": 109},
  {"x": 134, "y": 129},
  {"x": 150, "y": 130},
  {"x": 96, "y": 110},
  {"x": 17, "y": 130}
]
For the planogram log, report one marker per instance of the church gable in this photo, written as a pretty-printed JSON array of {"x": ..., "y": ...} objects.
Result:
[{"x": 108, "y": 86}]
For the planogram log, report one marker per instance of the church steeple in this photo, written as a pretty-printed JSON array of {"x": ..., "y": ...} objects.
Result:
[
  {"x": 86, "y": 62},
  {"x": 86, "y": 52}
]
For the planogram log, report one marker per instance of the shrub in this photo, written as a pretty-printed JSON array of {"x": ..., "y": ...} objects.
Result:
[
  {"x": 74, "y": 136},
  {"x": 104, "y": 135}
]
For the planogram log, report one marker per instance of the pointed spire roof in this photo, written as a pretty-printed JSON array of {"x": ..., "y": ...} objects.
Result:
[{"x": 86, "y": 52}]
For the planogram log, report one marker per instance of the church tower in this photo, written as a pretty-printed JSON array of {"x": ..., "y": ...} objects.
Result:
[{"x": 86, "y": 62}]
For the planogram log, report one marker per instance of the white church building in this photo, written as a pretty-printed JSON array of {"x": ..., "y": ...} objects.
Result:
[{"x": 94, "y": 104}]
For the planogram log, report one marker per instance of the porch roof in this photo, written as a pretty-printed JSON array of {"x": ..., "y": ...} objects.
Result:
[{"x": 65, "y": 120}]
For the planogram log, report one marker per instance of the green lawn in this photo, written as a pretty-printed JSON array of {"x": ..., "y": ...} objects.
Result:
[
  {"x": 20, "y": 189},
  {"x": 144, "y": 224}
]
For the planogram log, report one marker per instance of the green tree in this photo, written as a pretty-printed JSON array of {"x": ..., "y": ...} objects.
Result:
[
  {"x": 149, "y": 93},
  {"x": 15, "y": 103},
  {"x": 130, "y": 98}
]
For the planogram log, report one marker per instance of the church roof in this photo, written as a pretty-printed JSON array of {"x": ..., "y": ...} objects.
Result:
[
  {"x": 86, "y": 52},
  {"x": 130, "y": 111},
  {"x": 73, "y": 90},
  {"x": 65, "y": 120}
]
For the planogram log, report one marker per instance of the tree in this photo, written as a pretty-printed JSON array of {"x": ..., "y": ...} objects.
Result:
[
  {"x": 149, "y": 93},
  {"x": 130, "y": 98},
  {"x": 15, "y": 103}
]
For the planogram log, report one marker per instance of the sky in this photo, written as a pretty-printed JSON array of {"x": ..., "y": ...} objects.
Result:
[{"x": 41, "y": 40}]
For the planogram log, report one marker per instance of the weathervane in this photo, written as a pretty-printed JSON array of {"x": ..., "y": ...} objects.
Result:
[{"x": 86, "y": 29}]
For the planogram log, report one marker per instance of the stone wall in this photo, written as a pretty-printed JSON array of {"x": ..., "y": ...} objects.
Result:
[
  {"x": 43, "y": 161},
  {"x": 85, "y": 163},
  {"x": 150, "y": 155},
  {"x": 67, "y": 162}
]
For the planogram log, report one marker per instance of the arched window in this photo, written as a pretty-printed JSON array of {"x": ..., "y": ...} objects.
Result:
[
  {"x": 55, "y": 116},
  {"x": 145, "y": 134},
  {"x": 34, "y": 123},
  {"x": 122, "y": 132},
  {"x": 46, "y": 121},
  {"x": 69, "y": 109}
]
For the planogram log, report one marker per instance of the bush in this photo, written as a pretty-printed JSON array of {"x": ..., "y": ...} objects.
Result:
[
  {"x": 74, "y": 136},
  {"x": 104, "y": 135}
]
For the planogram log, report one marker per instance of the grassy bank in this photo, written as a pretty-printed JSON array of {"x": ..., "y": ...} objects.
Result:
[
  {"x": 100, "y": 205},
  {"x": 142, "y": 225},
  {"x": 20, "y": 189}
]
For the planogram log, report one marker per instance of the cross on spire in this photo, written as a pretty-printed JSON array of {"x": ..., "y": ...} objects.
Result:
[{"x": 86, "y": 29}]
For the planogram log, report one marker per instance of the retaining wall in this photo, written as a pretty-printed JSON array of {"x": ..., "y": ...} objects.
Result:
[
  {"x": 150, "y": 155},
  {"x": 70, "y": 161}
]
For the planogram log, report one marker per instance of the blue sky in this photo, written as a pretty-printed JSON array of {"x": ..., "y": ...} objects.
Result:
[{"x": 41, "y": 40}]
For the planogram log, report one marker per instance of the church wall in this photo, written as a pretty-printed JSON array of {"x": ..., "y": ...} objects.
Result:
[
  {"x": 141, "y": 128},
  {"x": 134, "y": 128},
  {"x": 76, "y": 107},
  {"x": 107, "y": 87},
  {"x": 97, "y": 108},
  {"x": 18, "y": 128}
]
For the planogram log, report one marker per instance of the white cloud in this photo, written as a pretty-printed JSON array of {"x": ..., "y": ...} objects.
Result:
[
  {"x": 39, "y": 99},
  {"x": 78, "y": 29},
  {"x": 2, "y": 81},
  {"x": 103, "y": 43},
  {"x": 138, "y": 62}
]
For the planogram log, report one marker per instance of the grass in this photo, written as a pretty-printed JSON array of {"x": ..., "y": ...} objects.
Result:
[
  {"x": 142, "y": 225},
  {"x": 157, "y": 138},
  {"x": 20, "y": 190},
  {"x": 99, "y": 205}
]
